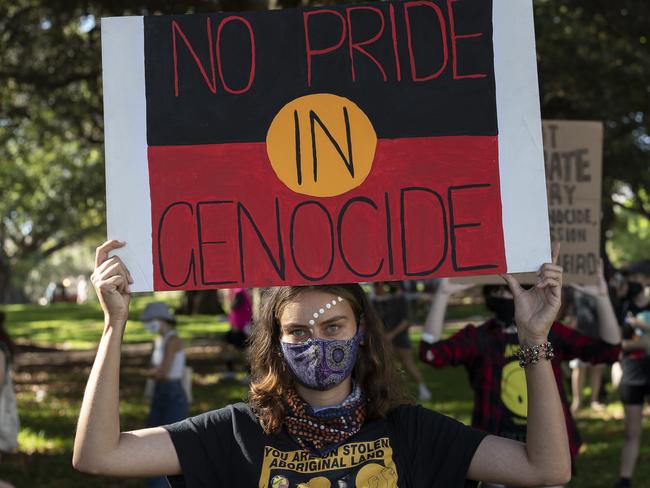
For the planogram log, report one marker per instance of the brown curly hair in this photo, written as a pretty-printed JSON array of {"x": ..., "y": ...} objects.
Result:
[{"x": 271, "y": 379}]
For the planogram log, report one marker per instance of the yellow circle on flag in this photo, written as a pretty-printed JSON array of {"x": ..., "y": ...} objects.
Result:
[{"x": 321, "y": 145}]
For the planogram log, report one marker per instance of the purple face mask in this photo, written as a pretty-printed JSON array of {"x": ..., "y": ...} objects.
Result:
[{"x": 322, "y": 364}]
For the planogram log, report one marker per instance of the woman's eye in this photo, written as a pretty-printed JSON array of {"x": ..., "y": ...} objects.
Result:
[
  {"x": 298, "y": 333},
  {"x": 333, "y": 328}
]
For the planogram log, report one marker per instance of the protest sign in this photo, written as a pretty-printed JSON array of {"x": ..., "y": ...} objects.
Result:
[
  {"x": 573, "y": 151},
  {"x": 384, "y": 141}
]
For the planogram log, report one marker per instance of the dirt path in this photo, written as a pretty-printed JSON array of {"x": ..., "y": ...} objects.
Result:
[{"x": 35, "y": 356}]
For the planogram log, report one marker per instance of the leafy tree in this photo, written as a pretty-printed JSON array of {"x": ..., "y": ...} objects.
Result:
[
  {"x": 593, "y": 62},
  {"x": 51, "y": 127}
]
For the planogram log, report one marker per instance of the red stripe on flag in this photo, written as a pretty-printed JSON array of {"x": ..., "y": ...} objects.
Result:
[{"x": 220, "y": 217}]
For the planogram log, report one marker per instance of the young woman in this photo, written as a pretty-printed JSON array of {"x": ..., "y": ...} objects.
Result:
[
  {"x": 323, "y": 410},
  {"x": 169, "y": 402}
]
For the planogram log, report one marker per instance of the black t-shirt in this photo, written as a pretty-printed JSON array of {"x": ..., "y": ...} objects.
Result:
[
  {"x": 635, "y": 363},
  {"x": 412, "y": 447}
]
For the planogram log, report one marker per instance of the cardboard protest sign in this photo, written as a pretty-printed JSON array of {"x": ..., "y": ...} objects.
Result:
[
  {"x": 384, "y": 141},
  {"x": 573, "y": 155}
]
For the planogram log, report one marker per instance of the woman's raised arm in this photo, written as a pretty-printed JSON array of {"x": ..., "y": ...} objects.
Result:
[
  {"x": 545, "y": 458},
  {"x": 100, "y": 447}
]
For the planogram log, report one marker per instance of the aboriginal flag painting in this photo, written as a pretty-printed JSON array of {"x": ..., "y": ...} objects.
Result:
[{"x": 318, "y": 145}]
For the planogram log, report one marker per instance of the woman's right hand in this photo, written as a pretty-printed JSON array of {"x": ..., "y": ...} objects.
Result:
[
  {"x": 448, "y": 287},
  {"x": 111, "y": 281}
]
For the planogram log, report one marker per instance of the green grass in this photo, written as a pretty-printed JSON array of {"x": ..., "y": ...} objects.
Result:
[
  {"x": 44, "y": 458},
  {"x": 72, "y": 326}
]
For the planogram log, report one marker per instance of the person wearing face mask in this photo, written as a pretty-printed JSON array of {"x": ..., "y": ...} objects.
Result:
[
  {"x": 634, "y": 388},
  {"x": 489, "y": 353},
  {"x": 325, "y": 408},
  {"x": 168, "y": 400}
]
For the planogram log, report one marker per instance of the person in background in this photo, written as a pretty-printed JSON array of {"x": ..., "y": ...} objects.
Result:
[
  {"x": 9, "y": 421},
  {"x": 82, "y": 289},
  {"x": 634, "y": 388},
  {"x": 49, "y": 292},
  {"x": 489, "y": 353},
  {"x": 240, "y": 318},
  {"x": 391, "y": 306},
  {"x": 169, "y": 401},
  {"x": 587, "y": 324}
]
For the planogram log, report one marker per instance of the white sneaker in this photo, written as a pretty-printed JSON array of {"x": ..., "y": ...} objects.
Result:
[{"x": 423, "y": 393}]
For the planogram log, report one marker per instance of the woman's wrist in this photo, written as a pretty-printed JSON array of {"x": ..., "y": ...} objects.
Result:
[
  {"x": 114, "y": 322},
  {"x": 532, "y": 340}
]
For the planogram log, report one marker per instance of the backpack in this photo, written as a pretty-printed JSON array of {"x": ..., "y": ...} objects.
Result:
[{"x": 9, "y": 421}]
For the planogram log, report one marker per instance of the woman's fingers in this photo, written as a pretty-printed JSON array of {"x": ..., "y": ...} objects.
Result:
[
  {"x": 111, "y": 267},
  {"x": 513, "y": 284},
  {"x": 554, "y": 285},
  {"x": 102, "y": 261},
  {"x": 101, "y": 253},
  {"x": 549, "y": 267},
  {"x": 548, "y": 281},
  {"x": 550, "y": 274},
  {"x": 555, "y": 252},
  {"x": 114, "y": 283}
]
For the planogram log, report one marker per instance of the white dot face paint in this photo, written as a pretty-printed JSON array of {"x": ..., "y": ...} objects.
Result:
[{"x": 321, "y": 311}]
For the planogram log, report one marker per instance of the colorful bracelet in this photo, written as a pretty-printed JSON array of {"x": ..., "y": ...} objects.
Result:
[{"x": 532, "y": 354}]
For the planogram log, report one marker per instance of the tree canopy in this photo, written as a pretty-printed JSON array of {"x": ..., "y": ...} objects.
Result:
[{"x": 594, "y": 64}]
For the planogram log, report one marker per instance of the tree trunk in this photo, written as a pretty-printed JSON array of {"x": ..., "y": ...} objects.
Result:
[
  {"x": 8, "y": 292},
  {"x": 606, "y": 223}
]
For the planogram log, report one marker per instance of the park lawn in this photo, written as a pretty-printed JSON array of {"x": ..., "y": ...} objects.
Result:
[
  {"x": 72, "y": 326},
  {"x": 49, "y": 400}
]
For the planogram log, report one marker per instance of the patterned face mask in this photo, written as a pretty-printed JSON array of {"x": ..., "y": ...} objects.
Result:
[
  {"x": 152, "y": 326},
  {"x": 322, "y": 364}
]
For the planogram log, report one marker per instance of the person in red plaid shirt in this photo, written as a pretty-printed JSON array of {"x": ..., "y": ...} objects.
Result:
[{"x": 488, "y": 352}]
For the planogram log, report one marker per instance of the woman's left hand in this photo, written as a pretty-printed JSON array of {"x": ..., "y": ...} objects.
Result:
[
  {"x": 599, "y": 290},
  {"x": 536, "y": 308}
]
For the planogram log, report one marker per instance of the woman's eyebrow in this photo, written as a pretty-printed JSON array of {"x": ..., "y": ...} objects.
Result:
[
  {"x": 293, "y": 324},
  {"x": 324, "y": 322},
  {"x": 333, "y": 319}
]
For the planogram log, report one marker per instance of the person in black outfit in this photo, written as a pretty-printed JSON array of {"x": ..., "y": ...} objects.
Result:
[{"x": 634, "y": 388}]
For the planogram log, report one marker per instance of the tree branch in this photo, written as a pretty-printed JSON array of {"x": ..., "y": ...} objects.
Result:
[
  {"x": 70, "y": 240},
  {"x": 637, "y": 209},
  {"x": 39, "y": 79}
]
